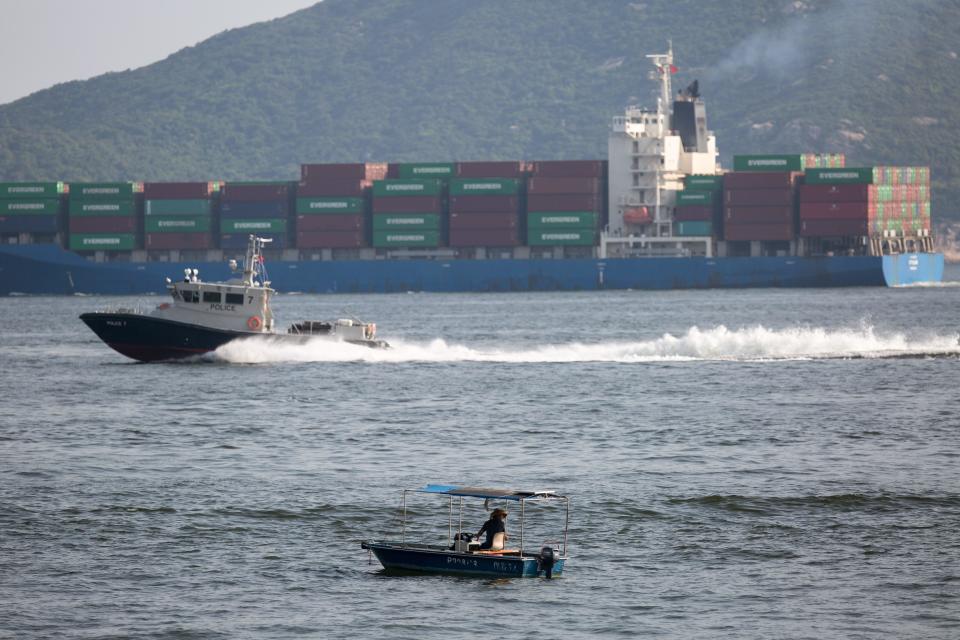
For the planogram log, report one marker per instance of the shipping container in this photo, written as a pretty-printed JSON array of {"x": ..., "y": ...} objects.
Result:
[
  {"x": 761, "y": 231},
  {"x": 703, "y": 182},
  {"x": 756, "y": 180},
  {"x": 484, "y": 237},
  {"x": 495, "y": 169},
  {"x": 553, "y": 202},
  {"x": 869, "y": 175},
  {"x": 331, "y": 188},
  {"x": 564, "y": 185},
  {"x": 238, "y": 241},
  {"x": 185, "y": 207},
  {"x": 834, "y": 228},
  {"x": 406, "y": 238},
  {"x": 246, "y": 192},
  {"x": 179, "y": 241},
  {"x": 833, "y": 210},
  {"x": 759, "y": 197},
  {"x": 689, "y": 228},
  {"x": 863, "y": 192},
  {"x": 32, "y": 189},
  {"x": 28, "y": 224},
  {"x": 751, "y": 215},
  {"x": 104, "y": 190},
  {"x": 569, "y": 168},
  {"x": 563, "y": 220},
  {"x": 484, "y": 186},
  {"x": 103, "y": 224},
  {"x": 439, "y": 170},
  {"x": 695, "y": 213},
  {"x": 102, "y": 242},
  {"x": 233, "y": 225},
  {"x": 314, "y": 172},
  {"x": 179, "y": 190},
  {"x": 406, "y": 188},
  {"x": 29, "y": 206},
  {"x": 419, "y": 221},
  {"x": 411, "y": 204},
  {"x": 701, "y": 198},
  {"x": 255, "y": 209},
  {"x": 176, "y": 224},
  {"x": 506, "y": 220},
  {"x": 330, "y": 240},
  {"x": 564, "y": 237},
  {"x": 780, "y": 162},
  {"x": 331, "y": 222},
  {"x": 101, "y": 207},
  {"x": 328, "y": 205},
  {"x": 480, "y": 204}
]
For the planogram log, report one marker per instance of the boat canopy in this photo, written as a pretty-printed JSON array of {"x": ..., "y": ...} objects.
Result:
[{"x": 481, "y": 492}]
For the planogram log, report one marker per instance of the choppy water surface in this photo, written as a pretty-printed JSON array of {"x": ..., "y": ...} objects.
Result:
[{"x": 742, "y": 464}]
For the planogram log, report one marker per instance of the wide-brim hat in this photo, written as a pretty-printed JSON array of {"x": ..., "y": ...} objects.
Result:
[{"x": 499, "y": 512}]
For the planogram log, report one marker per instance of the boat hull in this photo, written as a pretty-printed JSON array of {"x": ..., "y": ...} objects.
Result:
[{"x": 400, "y": 558}]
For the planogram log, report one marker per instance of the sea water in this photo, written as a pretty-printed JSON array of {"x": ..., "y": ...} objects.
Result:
[{"x": 741, "y": 463}]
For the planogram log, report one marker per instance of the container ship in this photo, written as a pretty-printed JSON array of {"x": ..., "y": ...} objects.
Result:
[{"x": 658, "y": 213}]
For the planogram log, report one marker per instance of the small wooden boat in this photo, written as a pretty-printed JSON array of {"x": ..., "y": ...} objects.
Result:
[{"x": 460, "y": 554}]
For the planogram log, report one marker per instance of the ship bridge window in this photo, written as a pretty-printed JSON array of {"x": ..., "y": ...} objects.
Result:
[
  {"x": 190, "y": 296},
  {"x": 211, "y": 296},
  {"x": 234, "y": 298}
]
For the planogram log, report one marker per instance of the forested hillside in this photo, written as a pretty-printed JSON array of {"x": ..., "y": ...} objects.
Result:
[{"x": 400, "y": 80}]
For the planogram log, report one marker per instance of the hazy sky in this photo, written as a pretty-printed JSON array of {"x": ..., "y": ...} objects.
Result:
[{"x": 45, "y": 42}]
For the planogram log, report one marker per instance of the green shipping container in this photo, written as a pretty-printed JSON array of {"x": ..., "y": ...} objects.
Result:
[
  {"x": 31, "y": 189},
  {"x": 108, "y": 190},
  {"x": 386, "y": 188},
  {"x": 239, "y": 225},
  {"x": 848, "y": 175},
  {"x": 708, "y": 198},
  {"x": 792, "y": 162},
  {"x": 101, "y": 207},
  {"x": 484, "y": 187},
  {"x": 400, "y": 221},
  {"x": 441, "y": 170},
  {"x": 692, "y": 228},
  {"x": 176, "y": 208},
  {"x": 176, "y": 224},
  {"x": 329, "y": 205},
  {"x": 566, "y": 237},
  {"x": 402, "y": 238},
  {"x": 703, "y": 183},
  {"x": 563, "y": 220},
  {"x": 102, "y": 242},
  {"x": 30, "y": 206}
]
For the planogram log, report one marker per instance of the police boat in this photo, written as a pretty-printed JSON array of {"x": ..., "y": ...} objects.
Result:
[
  {"x": 203, "y": 316},
  {"x": 461, "y": 554}
]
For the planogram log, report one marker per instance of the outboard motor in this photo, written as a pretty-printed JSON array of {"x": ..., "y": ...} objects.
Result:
[
  {"x": 546, "y": 560},
  {"x": 461, "y": 542}
]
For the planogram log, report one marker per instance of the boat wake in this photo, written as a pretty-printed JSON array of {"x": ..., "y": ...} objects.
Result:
[{"x": 749, "y": 344}]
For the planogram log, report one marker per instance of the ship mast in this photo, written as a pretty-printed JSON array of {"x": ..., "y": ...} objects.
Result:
[{"x": 664, "y": 65}]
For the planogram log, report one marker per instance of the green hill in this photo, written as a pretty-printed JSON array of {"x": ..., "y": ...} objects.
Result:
[{"x": 400, "y": 80}]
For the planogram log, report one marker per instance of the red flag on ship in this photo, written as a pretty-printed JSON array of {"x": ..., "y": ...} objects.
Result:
[{"x": 673, "y": 69}]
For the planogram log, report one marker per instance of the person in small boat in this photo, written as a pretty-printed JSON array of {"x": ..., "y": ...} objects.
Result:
[{"x": 496, "y": 530}]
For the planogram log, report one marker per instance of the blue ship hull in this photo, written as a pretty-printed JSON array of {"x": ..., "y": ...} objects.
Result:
[
  {"x": 49, "y": 269},
  {"x": 397, "y": 558}
]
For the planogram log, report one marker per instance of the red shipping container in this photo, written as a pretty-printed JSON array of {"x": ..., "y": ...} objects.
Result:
[
  {"x": 376, "y": 171},
  {"x": 558, "y": 202},
  {"x": 508, "y": 169},
  {"x": 569, "y": 168},
  {"x": 759, "y": 180},
  {"x": 166, "y": 241},
  {"x": 333, "y": 187},
  {"x": 330, "y": 239},
  {"x": 103, "y": 224},
  {"x": 564, "y": 185},
  {"x": 489, "y": 220},
  {"x": 177, "y": 190},
  {"x": 352, "y": 171},
  {"x": 834, "y": 210},
  {"x": 481, "y": 204},
  {"x": 816, "y": 228},
  {"x": 767, "y": 231},
  {"x": 833, "y": 192},
  {"x": 254, "y": 192},
  {"x": 335, "y": 222},
  {"x": 694, "y": 213},
  {"x": 407, "y": 204},
  {"x": 754, "y": 215},
  {"x": 758, "y": 197},
  {"x": 484, "y": 237}
]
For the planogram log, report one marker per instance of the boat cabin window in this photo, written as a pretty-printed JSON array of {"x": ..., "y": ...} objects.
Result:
[
  {"x": 211, "y": 296},
  {"x": 234, "y": 298},
  {"x": 190, "y": 296}
]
